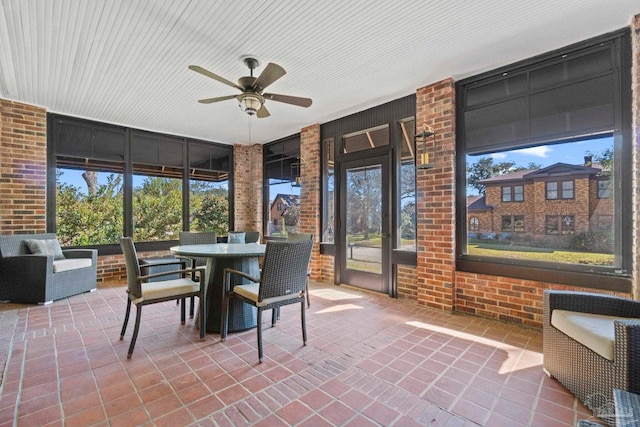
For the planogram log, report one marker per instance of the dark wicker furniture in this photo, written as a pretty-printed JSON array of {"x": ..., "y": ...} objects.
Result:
[
  {"x": 293, "y": 237},
  {"x": 282, "y": 281},
  {"x": 142, "y": 291},
  {"x": 28, "y": 278},
  {"x": 589, "y": 376}
]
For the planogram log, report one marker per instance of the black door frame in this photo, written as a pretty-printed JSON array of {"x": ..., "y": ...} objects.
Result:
[{"x": 340, "y": 271}]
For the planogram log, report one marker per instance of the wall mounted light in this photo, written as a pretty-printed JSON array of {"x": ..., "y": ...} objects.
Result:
[
  {"x": 421, "y": 139},
  {"x": 296, "y": 172}
]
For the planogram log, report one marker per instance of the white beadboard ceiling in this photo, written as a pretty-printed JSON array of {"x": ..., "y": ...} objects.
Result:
[{"x": 125, "y": 61}]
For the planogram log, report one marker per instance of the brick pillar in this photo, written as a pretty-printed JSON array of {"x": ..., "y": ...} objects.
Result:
[
  {"x": 310, "y": 208},
  {"x": 635, "y": 135},
  {"x": 435, "y": 188},
  {"x": 23, "y": 168},
  {"x": 247, "y": 166}
]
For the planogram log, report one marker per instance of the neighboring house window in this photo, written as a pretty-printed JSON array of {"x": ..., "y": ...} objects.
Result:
[
  {"x": 513, "y": 223},
  {"x": 518, "y": 193},
  {"x": 536, "y": 121},
  {"x": 566, "y": 193},
  {"x": 603, "y": 188},
  {"x": 567, "y": 189},
  {"x": 560, "y": 224},
  {"x": 513, "y": 194},
  {"x": 474, "y": 223},
  {"x": 279, "y": 207},
  {"x": 506, "y": 194}
]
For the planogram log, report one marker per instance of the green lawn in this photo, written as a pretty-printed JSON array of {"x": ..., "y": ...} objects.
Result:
[{"x": 540, "y": 254}]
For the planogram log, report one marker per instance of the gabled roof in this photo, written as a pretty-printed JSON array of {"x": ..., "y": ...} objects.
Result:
[
  {"x": 287, "y": 199},
  {"x": 477, "y": 203},
  {"x": 556, "y": 169}
]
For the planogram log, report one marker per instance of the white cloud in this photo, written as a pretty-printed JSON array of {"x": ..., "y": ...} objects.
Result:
[
  {"x": 542, "y": 151},
  {"x": 499, "y": 156}
]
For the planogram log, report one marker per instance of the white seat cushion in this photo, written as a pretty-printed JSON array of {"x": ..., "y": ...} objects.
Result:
[
  {"x": 594, "y": 331},
  {"x": 70, "y": 264},
  {"x": 250, "y": 292},
  {"x": 168, "y": 288}
]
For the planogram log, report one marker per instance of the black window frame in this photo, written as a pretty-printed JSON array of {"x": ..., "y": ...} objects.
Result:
[
  {"x": 54, "y": 120},
  {"x": 512, "y": 193},
  {"x": 613, "y": 278},
  {"x": 559, "y": 190}
]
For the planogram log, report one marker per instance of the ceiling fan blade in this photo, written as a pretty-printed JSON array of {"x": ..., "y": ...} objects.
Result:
[
  {"x": 218, "y": 99},
  {"x": 270, "y": 74},
  {"x": 263, "y": 112},
  {"x": 214, "y": 76},
  {"x": 294, "y": 100}
]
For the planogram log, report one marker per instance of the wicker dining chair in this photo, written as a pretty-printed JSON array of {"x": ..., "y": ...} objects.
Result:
[
  {"x": 294, "y": 237},
  {"x": 142, "y": 292},
  {"x": 282, "y": 281}
]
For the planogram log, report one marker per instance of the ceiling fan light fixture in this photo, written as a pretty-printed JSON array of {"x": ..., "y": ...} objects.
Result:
[{"x": 250, "y": 103}]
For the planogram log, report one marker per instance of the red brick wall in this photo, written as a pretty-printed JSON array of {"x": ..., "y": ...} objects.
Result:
[
  {"x": 407, "y": 282},
  {"x": 247, "y": 181},
  {"x": 23, "y": 168},
  {"x": 310, "y": 208},
  {"x": 435, "y": 194}
]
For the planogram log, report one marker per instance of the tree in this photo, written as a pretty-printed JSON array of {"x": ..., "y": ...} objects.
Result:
[
  {"x": 157, "y": 209},
  {"x": 364, "y": 200},
  {"x": 212, "y": 214},
  {"x": 91, "y": 218}
]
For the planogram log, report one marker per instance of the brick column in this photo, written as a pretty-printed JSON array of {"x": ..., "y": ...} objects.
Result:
[
  {"x": 310, "y": 208},
  {"x": 247, "y": 166},
  {"x": 23, "y": 168},
  {"x": 435, "y": 194}
]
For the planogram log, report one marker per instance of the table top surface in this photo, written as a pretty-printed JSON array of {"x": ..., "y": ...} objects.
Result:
[{"x": 220, "y": 250}]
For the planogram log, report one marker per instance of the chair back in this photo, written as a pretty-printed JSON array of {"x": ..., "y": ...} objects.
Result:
[
  {"x": 251, "y": 236},
  {"x": 133, "y": 267},
  {"x": 293, "y": 237},
  {"x": 198, "y": 238},
  {"x": 285, "y": 268}
]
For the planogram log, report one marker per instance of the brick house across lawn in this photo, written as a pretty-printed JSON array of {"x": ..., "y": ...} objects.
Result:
[
  {"x": 280, "y": 206},
  {"x": 558, "y": 200}
]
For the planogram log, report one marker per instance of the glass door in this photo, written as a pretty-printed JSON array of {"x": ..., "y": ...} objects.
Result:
[{"x": 364, "y": 243}]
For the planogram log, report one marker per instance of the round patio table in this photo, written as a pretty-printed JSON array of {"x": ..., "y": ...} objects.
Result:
[{"x": 239, "y": 256}]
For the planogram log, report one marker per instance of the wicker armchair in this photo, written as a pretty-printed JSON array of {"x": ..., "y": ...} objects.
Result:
[
  {"x": 588, "y": 375},
  {"x": 293, "y": 237},
  {"x": 283, "y": 281},
  {"x": 141, "y": 291}
]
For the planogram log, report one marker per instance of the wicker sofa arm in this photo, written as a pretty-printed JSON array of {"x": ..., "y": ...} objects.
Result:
[
  {"x": 593, "y": 303},
  {"x": 81, "y": 253},
  {"x": 627, "y": 352}
]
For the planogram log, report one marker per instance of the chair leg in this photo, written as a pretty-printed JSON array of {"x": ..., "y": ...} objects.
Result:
[
  {"x": 192, "y": 307},
  {"x": 135, "y": 331},
  {"x": 260, "y": 351},
  {"x": 224, "y": 317},
  {"x": 203, "y": 316},
  {"x": 304, "y": 323},
  {"x": 182, "y": 310},
  {"x": 306, "y": 292},
  {"x": 274, "y": 316},
  {"x": 126, "y": 318}
]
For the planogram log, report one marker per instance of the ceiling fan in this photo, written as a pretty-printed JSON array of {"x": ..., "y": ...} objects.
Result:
[{"x": 252, "y": 98}]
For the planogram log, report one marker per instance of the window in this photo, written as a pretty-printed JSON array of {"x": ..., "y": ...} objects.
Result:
[
  {"x": 518, "y": 193},
  {"x": 560, "y": 224},
  {"x": 603, "y": 189},
  {"x": 112, "y": 181},
  {"x": 281, "y": 189},
  {"x": 474, "y": 224},
  {"x": 513, "y": 194},
  {"x": 538, "y": 121},
  {"x": 567, "y": 189},
  {"x": 407, "y": 217},
  {"x": 512, "y": 223},
  {"x": 506, "y": 194},
  {"x": 552, "y": 190},
  {"x": 328, "y": 216}
]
